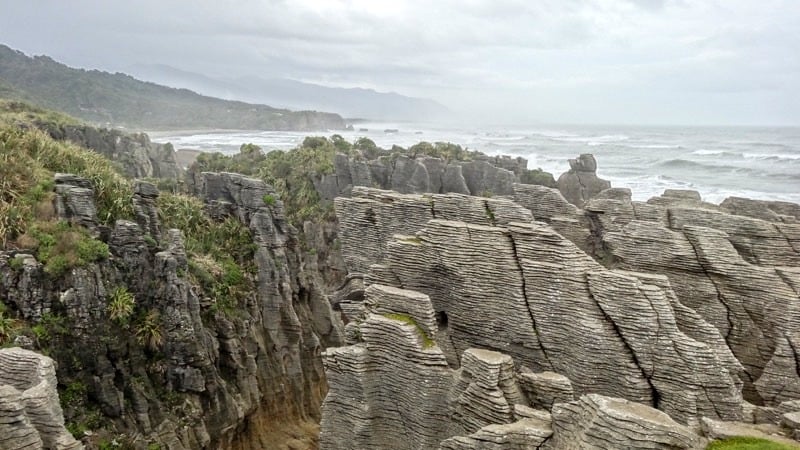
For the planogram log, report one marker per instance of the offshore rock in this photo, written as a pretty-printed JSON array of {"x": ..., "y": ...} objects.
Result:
[
  {"x": 30, "y": 412},
  {"x": 581, "y": 183}
]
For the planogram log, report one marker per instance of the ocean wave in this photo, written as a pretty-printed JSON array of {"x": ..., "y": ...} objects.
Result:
[
  {"x": 655, "y": 146},
  {"x": 680, "y": 163},
  {"x": 502, "y": 137},
  {"x": 554, "y": 134},
  {"x": 772, "y": 156},
  {"x": 596, "y": 140}
]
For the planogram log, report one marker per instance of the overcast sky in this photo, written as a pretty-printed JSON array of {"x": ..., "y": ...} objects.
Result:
[{"x": 514, "y": 61}]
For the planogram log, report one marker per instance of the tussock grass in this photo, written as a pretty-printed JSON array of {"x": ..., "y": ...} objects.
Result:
[{"x": 28, "y": 160}]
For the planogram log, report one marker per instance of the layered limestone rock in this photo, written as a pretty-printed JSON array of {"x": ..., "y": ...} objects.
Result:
[
  {"x": 369, "y": 219},
  {"x": 389, "y": 390},
  {"x": 771, "y": 211},
  {"x": 411, "y": 174},
  {"x": 738, "y": 273},
  {"x": 734, "y": 265},
  {"x": 524, "y": 434},
  {"x": 597, "y": 422},
  {"x": 580, "y": 182},
  {"x": 75, "y": 199},
  {"x": 635, "y": 349},
  {"x": 484, "y": 393},
  {"x": 672, "y": 303},
  {"x": 208, "y": 378},
  {"x": 30, "y": 412}
]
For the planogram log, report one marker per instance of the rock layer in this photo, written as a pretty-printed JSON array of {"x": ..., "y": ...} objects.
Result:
[{"x": 30, "y": 412}]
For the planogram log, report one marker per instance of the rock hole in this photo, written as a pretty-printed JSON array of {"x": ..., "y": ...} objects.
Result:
[{"x": 441, "y": 320}]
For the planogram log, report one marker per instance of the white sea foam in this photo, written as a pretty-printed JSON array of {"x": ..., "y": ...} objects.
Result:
[
  {"x": 778, "y": 156},
  {"x": 706, "y": 152}
]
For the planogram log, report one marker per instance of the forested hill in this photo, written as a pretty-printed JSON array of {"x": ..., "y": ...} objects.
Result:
[{"x": 121, "y": 100}]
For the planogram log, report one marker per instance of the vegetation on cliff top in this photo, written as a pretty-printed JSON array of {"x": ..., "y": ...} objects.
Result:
[
  {"x": 120, "y": 99},
  {"x": 295, "y": 173}
]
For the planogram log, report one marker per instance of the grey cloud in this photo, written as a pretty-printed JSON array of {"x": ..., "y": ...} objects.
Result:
[{"x": 548, "y": 60}]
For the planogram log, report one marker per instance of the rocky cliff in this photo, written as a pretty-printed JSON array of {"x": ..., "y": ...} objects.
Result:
[
  {"x": 186, "y": 366},
  {"x": 135, "y": 155},
  {"x": 458, "y": 321}
]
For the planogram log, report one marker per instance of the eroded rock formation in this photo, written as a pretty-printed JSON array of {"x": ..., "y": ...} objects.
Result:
[
  {"x": 580, "y": 183},
  {"x": 135, "y": 154},
  {"x": 619, "y": 304},
  {"x": 738, "y": 272},
  {"x": 407, "y": 173},
  {"x": 210, "y": 378}
]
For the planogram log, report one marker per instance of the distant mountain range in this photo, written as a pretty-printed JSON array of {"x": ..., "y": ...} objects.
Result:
[
  {"x": 121, "y": 100},
  {"x": 286, "y": 93}
]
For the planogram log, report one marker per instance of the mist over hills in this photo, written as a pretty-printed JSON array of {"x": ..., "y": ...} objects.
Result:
[
  {"x": 119, "y": 99},
  {"x": 292, "y": 94}
]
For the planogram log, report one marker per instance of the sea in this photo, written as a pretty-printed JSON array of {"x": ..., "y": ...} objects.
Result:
[{"x": 758, "y": 163}]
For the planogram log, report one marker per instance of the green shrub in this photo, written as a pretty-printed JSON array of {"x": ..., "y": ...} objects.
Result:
[
  {"x": 61, "y": 247},
  {"x": 221, "y": 253},
  {"x": 16, "y": 263},
  {"x": 73, "y": 395},
  {"x": 91, "y": 250},
  {"x": 49, "y": 327},
  {"x": 269, "y": 200},
  {"x": 8, "y": 326}
]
